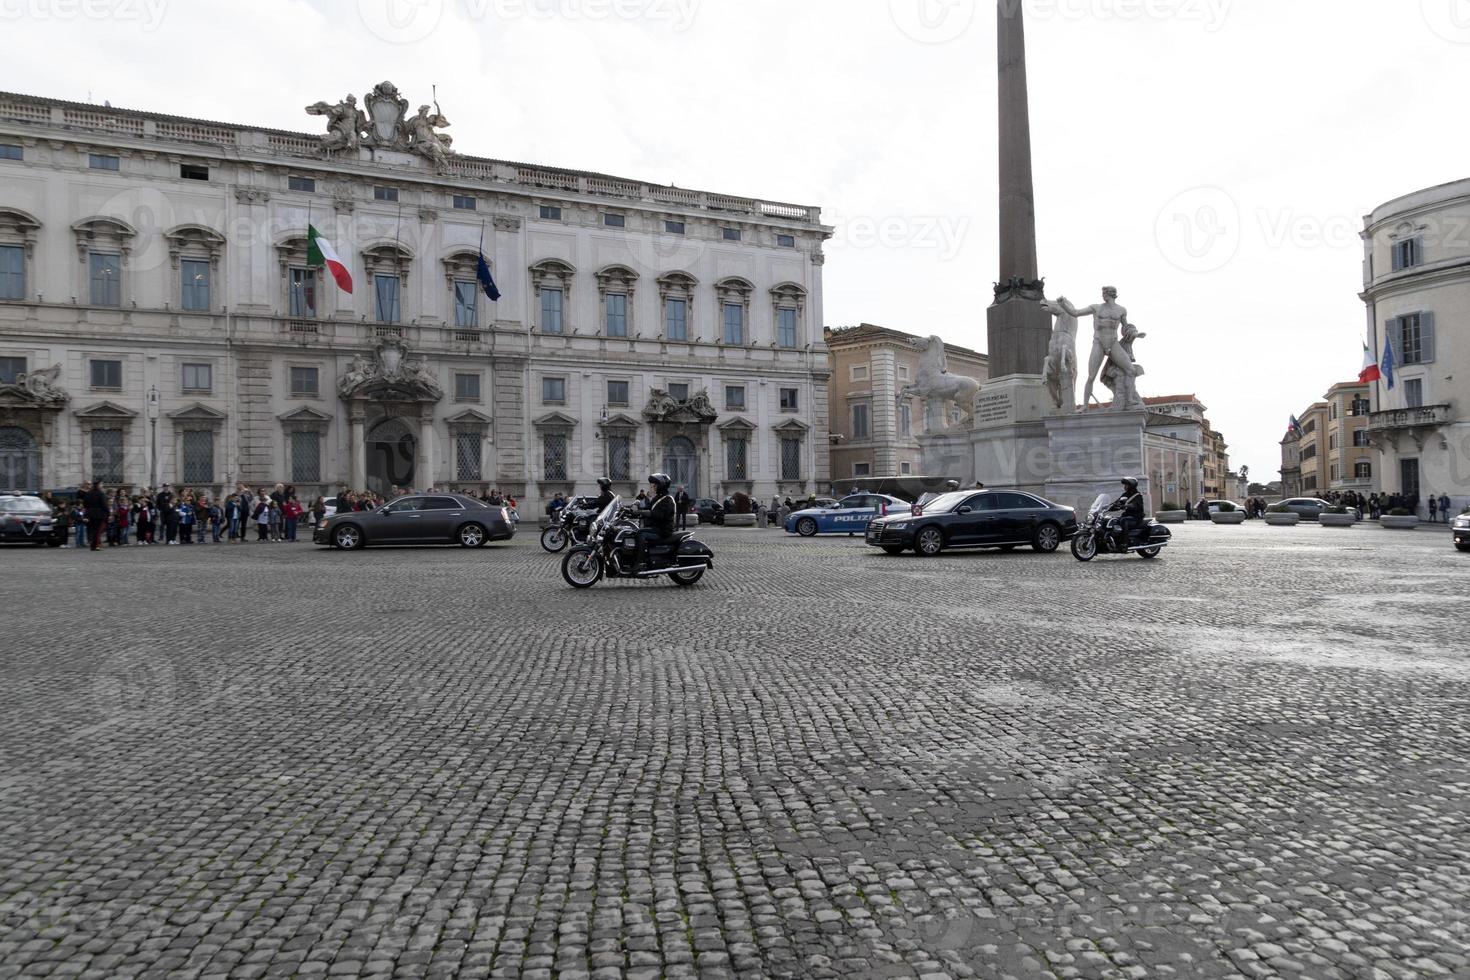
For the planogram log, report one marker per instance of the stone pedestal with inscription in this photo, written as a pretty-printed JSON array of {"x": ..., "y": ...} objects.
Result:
[{"x": 1008, "y": 446}]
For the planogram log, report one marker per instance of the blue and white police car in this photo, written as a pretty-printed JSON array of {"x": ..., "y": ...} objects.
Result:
[{"x": 850, "y": 515}]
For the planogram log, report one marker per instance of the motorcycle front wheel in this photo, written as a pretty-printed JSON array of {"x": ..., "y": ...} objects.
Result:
[
  {"x": 552, "y": 539},
  {"x": 1084, "y": 547},
  {"x": 1149, "y": 552},
  {"x": 582, "y": 568}
]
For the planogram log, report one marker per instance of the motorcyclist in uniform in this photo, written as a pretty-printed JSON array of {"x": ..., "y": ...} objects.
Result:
[
  {"x": 1131, "y": 505},
  {"x": 658, "y": 519},
  {"x": 605, "y": 497}
]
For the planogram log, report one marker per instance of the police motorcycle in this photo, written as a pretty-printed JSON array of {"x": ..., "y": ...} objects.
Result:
[
  {"x": 1101, "y": 533},
  {"x": 571, "y": 526},
  {"x": 611, "y": 550}
]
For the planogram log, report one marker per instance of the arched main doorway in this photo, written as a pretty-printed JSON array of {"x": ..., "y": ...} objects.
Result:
[
  {"x": 392, "y": 448},
  {"x": 681, "y": 463},
  {"x": 20, "y": 459}
]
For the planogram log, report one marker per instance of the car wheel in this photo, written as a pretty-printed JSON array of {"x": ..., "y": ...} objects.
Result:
[
  {"x": 1047, "y": 539},
  {"x": 347, "y": 537},
  {"x": 806, "y": 527},
  {"x": 582, "y": 568},
  {"x": 1463, "y": 545},
  {"x": 552, "y": 539},
  {"x": 471, "y": 536},
  {"x": 893, "y": 549},
  {"x": 687, "y": 578},
  {"x": 1149, "y": 552},
  {"x": 1084, "y": 547},
  {"x": 930, "y": 542}
]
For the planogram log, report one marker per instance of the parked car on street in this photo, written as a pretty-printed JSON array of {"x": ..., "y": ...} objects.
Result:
[
  {"x": 1005, "y": 519},
  {"x": 850, "y": 515},
  {"x": 25, "y": 519},
  {"x": 709, "y": 510},
  {"x": 1310, "y": 508},
  {"x": 421, "y": 518},
  {"x": 1461, "y": 529}
]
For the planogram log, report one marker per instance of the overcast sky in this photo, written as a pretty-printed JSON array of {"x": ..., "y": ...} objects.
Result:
[{"x": 1211, "y": 158}]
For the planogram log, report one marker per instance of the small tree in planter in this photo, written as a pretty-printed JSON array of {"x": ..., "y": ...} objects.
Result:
[
  {"x": 1228, "y": 513},
  {"x": 1400, "y": 519},
  {"x": 741, "y": 514},
  {"x": 1280, "y": 515},
  {"x": 1172, "y": 512}
]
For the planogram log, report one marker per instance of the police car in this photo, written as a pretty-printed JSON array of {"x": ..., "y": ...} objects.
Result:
[{"x": 850, "y": 515}]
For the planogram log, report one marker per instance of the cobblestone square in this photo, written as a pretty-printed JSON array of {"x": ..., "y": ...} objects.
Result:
[{"x": 1249, "y": 758}]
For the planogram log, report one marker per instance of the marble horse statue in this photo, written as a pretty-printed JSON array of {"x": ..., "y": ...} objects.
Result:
[
  {"x": 1060, "y": 370},
  {"x": 936, "y": 386}
]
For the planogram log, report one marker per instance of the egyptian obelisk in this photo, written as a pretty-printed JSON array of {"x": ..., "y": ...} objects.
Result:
[{"x": 1018, "y": 330}]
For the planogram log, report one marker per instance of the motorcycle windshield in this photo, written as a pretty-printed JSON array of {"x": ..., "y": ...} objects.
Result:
[
  {"x": 1099, "y": 505},
  {"x": 611, "y": 509}
]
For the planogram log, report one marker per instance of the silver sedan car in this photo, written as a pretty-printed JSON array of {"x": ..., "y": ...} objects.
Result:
[{"x": 419, "y": 518}]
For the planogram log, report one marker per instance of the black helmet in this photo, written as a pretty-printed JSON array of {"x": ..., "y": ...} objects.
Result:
[
  {"x": 661, "y": 481},
  {"x": 604, "y": 483},
  {"x": 1131, "y": 484}
]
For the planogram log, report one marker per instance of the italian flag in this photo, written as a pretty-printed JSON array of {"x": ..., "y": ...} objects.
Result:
[
  {"x": 1369, "y": 373},
  {"x": 319, "y": 251}
]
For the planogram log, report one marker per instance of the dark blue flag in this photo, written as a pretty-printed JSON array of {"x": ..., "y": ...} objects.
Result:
[{"x": 482, "y": 273}]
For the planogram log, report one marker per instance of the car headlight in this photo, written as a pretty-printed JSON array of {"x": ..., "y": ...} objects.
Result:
[
  {"x": 901, "y": 526},
  {"x": 1462, "y": 522}
]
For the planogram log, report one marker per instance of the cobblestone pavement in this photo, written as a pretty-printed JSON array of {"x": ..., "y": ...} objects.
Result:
[{"x": 1250, "y": 758}]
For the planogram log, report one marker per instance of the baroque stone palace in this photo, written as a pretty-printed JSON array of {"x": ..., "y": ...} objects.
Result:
[
  {"x": 1416, "y": 287},
  {"x": 160, "y": 322}
]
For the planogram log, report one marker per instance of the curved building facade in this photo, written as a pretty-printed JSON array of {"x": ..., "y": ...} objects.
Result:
[{"x": 1416, "y": 286}]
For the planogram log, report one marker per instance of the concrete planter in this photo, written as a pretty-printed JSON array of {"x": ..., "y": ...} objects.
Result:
[
  {"x": 1170, "y": 516},
  {"x": 1335, "y": 520},
  {"x": 740, "y": 520},
  {"x": 1228, "y": 517},
  {"x": 1399, "y": 523},
  {"x": 1283, "y": 520}
]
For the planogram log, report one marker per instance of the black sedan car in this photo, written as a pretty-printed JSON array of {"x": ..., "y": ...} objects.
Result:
[
  {"x": 1003, "y": 519},
  {"x": 27, "y": 520},
  {"x": 420, "y": 518},
  {"x": 1462, "y": 532}
]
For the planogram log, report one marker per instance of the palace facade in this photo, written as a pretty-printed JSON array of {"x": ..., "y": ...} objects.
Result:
[{"x": 160, "y": 320}]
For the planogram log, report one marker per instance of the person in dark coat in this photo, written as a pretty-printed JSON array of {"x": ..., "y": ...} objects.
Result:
[
  {"x": 682, "y": 502},
  {"x": 94, "y": 506}
]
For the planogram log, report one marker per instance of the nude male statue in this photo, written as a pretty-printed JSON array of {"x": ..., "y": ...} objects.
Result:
[{"x": 1108, "y": 316}]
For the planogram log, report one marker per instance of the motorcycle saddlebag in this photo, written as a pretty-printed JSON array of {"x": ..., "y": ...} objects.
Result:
[{"x": 696, "y": 550}]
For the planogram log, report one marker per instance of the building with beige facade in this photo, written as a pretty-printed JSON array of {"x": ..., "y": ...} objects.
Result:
[
  {"x": 1416, "y": 292},
  {"x": 160, "y": 320},
  {"x": 1333, "y": 453},
  {"x": 874, "y": 429}
]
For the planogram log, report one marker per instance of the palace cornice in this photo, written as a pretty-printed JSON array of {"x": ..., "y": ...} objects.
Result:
[
  {"x": 1413, "y": 280},
  {"x": 157, "y": 132}
]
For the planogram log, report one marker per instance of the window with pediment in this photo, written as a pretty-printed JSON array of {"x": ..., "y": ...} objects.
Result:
[{"x": 551, "y": 283}]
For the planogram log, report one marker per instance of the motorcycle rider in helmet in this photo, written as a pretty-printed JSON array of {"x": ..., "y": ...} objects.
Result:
[
  {"x": 658, "y": 519},
  {"x": 606, "y": 496},
  {"x": 1131, "y": 504}
]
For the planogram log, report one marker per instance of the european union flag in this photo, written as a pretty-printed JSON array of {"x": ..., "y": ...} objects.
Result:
[
  {"x": 1388, "y": 362},
  {"x": 482, "y": 273}
]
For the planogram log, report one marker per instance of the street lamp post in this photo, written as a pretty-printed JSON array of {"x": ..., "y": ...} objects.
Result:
[{"x": 153, "y": 425}]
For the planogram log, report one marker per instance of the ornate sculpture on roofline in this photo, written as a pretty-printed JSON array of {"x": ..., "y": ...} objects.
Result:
[
  {"x": 936, "y": 386},
  {"x": 385, "y": 125},
  {"x": 38, "y": 388},
  {"x": 345, "y": 123},
  {"x": 389, "y": 375}
]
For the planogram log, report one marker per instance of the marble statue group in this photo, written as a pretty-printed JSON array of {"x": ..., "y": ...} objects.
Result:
[
  {"x": 1111, "y": 355},
  {"x": 383, "y": 122}
]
